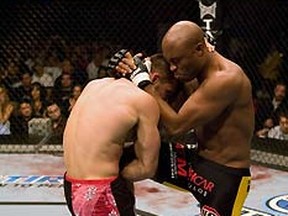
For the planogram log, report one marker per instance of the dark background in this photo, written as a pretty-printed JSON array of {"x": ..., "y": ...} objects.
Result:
[{"x": 250, "y": 29}]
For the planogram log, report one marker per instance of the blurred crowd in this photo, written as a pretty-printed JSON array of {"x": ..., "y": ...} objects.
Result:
[
  {"x": 271, "y": 112},
  {"x": 40, "y": 84},
  {"x": 39, "y": 87}
]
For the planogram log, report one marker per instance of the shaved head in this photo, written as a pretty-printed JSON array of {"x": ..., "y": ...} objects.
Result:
[
  {"x": 186, "y": 32},
  {"x": 184, "y": 48}
]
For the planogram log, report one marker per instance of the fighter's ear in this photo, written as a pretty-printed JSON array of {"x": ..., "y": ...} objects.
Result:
[
  {"x": 199, "y": 46},
  {"x": 154, "y": 76}
]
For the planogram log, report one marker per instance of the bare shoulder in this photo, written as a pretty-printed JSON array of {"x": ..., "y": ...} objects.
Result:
[
  {"x": 230, "y": 76},
  {"x": 101, "y": 81},
  {"x": 228, "y": 79},
  {"x": 236, "y": 82},
  {"x": 145, "y": 100},
  {"x": 238, "y": 76},
  {"x": 124, "y": 91}
]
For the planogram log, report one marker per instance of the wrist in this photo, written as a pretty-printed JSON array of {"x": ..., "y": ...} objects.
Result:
[
  {"x": 144, "y": 84},
  {"x": 138, "y": 77},
  {"x": 151, "y": 90}
]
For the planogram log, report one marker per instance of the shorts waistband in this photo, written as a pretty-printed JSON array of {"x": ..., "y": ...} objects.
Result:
[
  {"x": 232, "y": 170},
  {"x": 89, "y": 181}
]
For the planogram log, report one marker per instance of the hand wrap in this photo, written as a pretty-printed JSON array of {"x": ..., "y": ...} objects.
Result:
[{"x": 141, "y": 75}]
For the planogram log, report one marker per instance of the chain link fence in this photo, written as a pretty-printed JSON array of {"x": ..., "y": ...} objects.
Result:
[{"x": 64, "y": 44}]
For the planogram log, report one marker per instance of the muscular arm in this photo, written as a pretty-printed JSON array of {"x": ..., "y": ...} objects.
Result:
[
  {"x": 206, "y": 103},
  {"x": 147, "y": 144}
]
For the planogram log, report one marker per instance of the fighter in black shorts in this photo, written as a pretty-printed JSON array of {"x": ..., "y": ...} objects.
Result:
[{"x": 220, "y": 111}]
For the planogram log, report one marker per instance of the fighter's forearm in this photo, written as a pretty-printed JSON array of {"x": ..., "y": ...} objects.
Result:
[{"x": 137, "y": 171}]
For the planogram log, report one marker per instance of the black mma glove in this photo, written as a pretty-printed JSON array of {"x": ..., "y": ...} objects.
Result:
[
  {"x": 189, "y": 140},
  {"x": 141, "y": 75},
  {"x": 114, "y": 61}
]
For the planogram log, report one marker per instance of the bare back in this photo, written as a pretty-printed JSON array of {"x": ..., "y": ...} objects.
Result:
[{"x": 98, "y": 125}]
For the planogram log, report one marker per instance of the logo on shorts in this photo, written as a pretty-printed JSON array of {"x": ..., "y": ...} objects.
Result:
[
  {"x": 279, "y": 203},
  {"x": 209, "y": 211}
]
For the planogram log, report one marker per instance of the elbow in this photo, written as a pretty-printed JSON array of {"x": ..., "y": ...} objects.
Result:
[
  {"x": 175, "y": 130},
  {"x": 179, "y": 126},
  {"x": 151, "y": 170},
  {"x": 150, "y": 174}
]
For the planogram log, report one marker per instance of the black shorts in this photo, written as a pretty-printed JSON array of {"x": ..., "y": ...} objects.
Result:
[
  {"x": 99, "y": 197},
  {"x": 220, "y": 190}
]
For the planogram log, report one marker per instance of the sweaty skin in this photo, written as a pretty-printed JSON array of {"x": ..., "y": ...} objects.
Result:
[
  {"x": 220, "y": 109},
  {"x": 100, "y": 123}
]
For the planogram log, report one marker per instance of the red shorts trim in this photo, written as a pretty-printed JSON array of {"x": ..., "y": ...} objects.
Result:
[{"x": 90, "y": 181}]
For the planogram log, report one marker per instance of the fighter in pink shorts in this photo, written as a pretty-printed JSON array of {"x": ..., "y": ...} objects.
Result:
[
  {"x": 103, "y": 197},
  {"x": 107, "y": 112}
]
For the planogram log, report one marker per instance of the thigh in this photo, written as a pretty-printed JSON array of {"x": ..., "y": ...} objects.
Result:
[
  {"x": 122, "y": 191},
  {"x": 220, "y": 190}
]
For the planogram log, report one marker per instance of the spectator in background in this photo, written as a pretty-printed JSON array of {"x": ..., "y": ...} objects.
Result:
[
  {"x": 38, "y": 99},
  {"x": 66, "y": 68},
  {"x": 10, "y": 75},
  {"x": 53, "y": 66},
  {"x": 6, "y": 110},
  {"x": 272, "y": 106},
  {"x": 263, "y": 132},
  {"x": 40, "y": 76},
  {"x": 19, "y": 122},
  {"x": 54, "y": 112},
  {"x": 280, "y": 131},
  {"x": 62, "y": 90},
  {"x": 24, "y": 89},
  {"x": 98, "y": 63},
  {"x": 79, "y": 56},
  {"x": 69, "y": 103},
  {"x": 74, "y": 70},
  {"x": 78, "y": 59}
]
